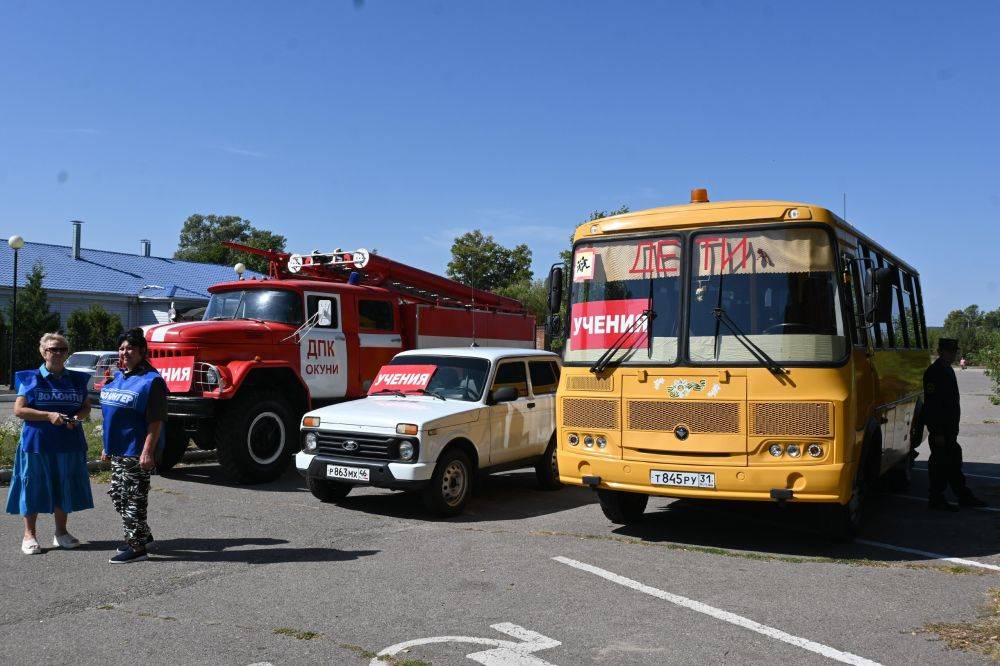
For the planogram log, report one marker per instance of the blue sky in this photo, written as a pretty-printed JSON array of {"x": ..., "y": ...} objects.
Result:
[{"x": 400, "y": 124}]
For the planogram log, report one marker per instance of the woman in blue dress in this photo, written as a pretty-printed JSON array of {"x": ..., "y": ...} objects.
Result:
[{"x": 50, "y": 467}]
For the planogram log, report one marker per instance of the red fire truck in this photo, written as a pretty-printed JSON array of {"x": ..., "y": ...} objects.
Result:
[{"x": 315, "y": 331}]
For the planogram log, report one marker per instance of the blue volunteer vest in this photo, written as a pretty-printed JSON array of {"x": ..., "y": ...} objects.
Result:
[
  {"x": 45, "y": 391},
  {"x": 123, "y": 404}
]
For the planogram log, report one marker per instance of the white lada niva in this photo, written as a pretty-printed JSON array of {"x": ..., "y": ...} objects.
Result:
[{"x": 433, "y": 419}]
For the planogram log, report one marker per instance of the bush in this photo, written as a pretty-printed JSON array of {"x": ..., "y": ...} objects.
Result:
[
  {"x": 94, "y": 328},
  {"x": 990, "y": 357}
]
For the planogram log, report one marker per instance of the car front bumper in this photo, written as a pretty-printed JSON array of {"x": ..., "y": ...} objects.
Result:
[{"x": 401, "y": 476}]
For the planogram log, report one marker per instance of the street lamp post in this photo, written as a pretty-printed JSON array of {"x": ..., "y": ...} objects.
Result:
[
  {"x": 240, "y": 268},
  {"x": 16, "y": 243}
]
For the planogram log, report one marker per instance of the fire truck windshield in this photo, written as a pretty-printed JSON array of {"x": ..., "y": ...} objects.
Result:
[{"x": 275, "y": 305}]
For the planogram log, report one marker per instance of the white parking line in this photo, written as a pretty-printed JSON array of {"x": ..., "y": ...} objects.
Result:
[
  {"x": 925, "y": 553},
  {"x": 924, "y": 499},
  {"x": 725, "y": 616},
  {"x": 975, "y": 476}
]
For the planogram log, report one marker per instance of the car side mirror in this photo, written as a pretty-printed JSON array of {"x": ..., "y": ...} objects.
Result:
[
  {"x": 324, "y": 312},
  {"x": 555, "y": 287},
  {"x": 505, "y": 394}
]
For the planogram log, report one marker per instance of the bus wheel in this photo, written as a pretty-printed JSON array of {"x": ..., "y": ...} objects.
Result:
[
  {"x": 848, "y": 518},
  {"x": 254, "y": 437},
  {"x": 328, "y": 491},
  {"x": 174, "y": 445},
  {"x": 622, "y": 508}
]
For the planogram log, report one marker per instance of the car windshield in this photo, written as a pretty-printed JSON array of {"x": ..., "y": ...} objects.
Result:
[
  {"x": 266, "y": 304},
  {"x": 614, "y": 283},
  {"x": 82, "y": 360},
  {"x": 455, "y": 377},
  {"x": 776, "y": 287}
]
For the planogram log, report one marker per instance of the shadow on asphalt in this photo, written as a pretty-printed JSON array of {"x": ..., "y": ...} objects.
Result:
[
  {"x": 218, "y": 550},
  {"x": 212, "y": 474}
]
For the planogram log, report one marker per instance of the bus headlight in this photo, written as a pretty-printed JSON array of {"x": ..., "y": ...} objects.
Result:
[
  {"x": 310, "y": 442},
  {"x": 573, "y": 439},
  {"x": 588, "y": 441},
  {"x": 406, "y": 451},
  {"x": 775, "y": 450},
  {"x": 794, "y": 450},
  {"x": 815, "y": 450},
  {"x": 602, "y": 441}
]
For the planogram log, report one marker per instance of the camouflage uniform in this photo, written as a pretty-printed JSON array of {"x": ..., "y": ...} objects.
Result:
[{"x": 129, "y": 493}]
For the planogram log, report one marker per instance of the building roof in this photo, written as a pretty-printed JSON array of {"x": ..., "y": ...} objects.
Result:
[{"x": 104, "y": 272}]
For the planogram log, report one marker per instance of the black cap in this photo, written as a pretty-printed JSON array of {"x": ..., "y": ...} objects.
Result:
[{"x": 947, "y": 344}]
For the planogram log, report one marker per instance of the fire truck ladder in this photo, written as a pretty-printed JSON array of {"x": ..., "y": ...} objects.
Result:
[{"x": 366, "y": 268}]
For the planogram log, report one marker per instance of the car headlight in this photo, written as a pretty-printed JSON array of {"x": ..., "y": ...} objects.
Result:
[
  {"x": 406, "y": 428},
  {"x": 310, "y": 442},
  {"x": 406, "y": 451}
]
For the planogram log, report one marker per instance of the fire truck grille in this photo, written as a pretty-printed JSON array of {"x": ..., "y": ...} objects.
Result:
[
  {"x": 587, "y": 413},
  {"x": 795, "y": 419},
  {"x": 159, "y": 352},
  {"x": 699, "y": 417},
  {"x": 361, "y": 445}
]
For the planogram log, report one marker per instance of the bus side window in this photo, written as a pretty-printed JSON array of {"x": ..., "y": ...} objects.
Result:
[
  {"x": 920, "y": 309},
  {"x": 889, "y": 340},
  {"x": 898, "y": 312},
  {"x": 878, "y": 330}
]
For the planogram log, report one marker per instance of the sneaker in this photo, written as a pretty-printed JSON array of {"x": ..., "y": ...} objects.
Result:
[
  {"x": 939, "y": 504},
  {"x": 65, "y": 541},
  {"x": 971, "y": 500},
  {"x": 127, "y": 556},
  {"x": 149, "y": 545}
]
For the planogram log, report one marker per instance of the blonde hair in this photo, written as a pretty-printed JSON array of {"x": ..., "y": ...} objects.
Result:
[{"x": 59, "y": 337}]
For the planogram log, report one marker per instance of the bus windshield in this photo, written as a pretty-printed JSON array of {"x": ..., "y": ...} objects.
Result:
[
  {"x": 614, "y": 283},
  {"x": 777, "y": 287},
  {"x": 264, "y": 304}
]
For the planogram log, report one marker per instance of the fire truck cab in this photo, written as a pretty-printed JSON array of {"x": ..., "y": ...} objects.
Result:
[{"x": 315, "y": 332}]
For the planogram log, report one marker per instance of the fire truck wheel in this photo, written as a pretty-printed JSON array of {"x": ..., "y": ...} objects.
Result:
[
  {"x": 328, "y": 491},
  {"x": 174, "y": 446},
  {"x": 546, "y": 469},
  {"x": 254, "y": 437},
  {"x": 622, "y": 508},
  {"x": 448, "y": 491}
]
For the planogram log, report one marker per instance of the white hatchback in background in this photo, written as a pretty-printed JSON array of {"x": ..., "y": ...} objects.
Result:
[{"x": 484, "y": 410}]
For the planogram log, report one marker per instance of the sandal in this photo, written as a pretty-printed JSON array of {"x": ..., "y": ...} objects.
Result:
[
  {"x": 65, "y": 541},
  {"x": 31, "y": 547}
]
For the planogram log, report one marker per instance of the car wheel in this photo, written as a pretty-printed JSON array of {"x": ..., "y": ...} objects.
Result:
[
  {"x": 622, "y": 508},
  {"x": 547, "y": 469},
  {"x": 448, "y": 491},
  {"x": 328, "y": 491}
]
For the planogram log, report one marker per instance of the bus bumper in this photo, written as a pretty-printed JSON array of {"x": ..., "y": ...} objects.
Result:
[{"x": 807, "y": 483}]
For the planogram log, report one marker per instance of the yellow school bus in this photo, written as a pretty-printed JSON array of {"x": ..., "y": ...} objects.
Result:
[{"x": 739, "y": 350}]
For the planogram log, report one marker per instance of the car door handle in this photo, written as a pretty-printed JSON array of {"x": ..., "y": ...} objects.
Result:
[{"x": 531, "y": 405}]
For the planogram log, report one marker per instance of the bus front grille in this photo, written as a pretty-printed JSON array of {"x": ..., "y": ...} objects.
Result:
[
  {"x": 591, "y": 384},
  {"x": 589, "y": 413},
  {"x": 793, "y": 419},
  {"x": 699, "y": 417}
]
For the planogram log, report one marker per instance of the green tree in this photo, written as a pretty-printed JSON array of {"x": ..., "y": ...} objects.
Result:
[
  {"x": 202, "y": 237},
  {"x": 533, "y": 294},
  {"x": 94, "y": 328},
  {"x": 479, "y": 261},
  {"x": 33, "y": 319},
  {"x": 990, "y": 357}
]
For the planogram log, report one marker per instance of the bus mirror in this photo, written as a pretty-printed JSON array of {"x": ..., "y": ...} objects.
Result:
[
  {"x": 554, "y": 325},
  {"x": 555, "y": 287},
  {"x": 324, "y": 312},
  {"x": 878, "y": 295}
]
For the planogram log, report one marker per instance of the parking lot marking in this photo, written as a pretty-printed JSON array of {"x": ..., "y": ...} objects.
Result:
[
  {"x": 924, "y": 499},
  {"x": 503, "y": 653},
  {"x": 925, "y": 553},
  {"x": 719, "y": 614},
  {"x": 975, "y": 476}
]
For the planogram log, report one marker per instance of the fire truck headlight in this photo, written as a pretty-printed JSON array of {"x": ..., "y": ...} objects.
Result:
[
  {"x": 309, "y": 442},
  {"x": 212, "y": 377},
  {"x": 406, "y": 451}
]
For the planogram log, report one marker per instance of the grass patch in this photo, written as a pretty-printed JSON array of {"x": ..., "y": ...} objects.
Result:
[
  {"x": 10, "y": 436},
  {"x": 981, "y": 635},
  {"x": 105, "y": 607},
  {"x": 101, "y": 476},
  {"x": 299, "y": 634}
]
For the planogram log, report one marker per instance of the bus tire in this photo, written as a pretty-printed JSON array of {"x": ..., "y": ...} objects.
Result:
[
  {"x": 547, "y": 469},
  {"x": 255, "y": 437},
  {"x": 175, "y": 444},
  {"x": 328, "y": 491},
  {"x": 622, "y": 508},
  {"x": 849, "y": 518},
  {"x": 448, "y": 492}
]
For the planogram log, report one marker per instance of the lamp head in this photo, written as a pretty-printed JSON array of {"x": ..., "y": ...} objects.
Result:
[
  {"x": 15, "y": 242},
  {"x": 240, "y": 268}
]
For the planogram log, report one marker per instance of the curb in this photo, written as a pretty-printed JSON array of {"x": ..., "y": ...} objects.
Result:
[{"x": 92, "y": 465}]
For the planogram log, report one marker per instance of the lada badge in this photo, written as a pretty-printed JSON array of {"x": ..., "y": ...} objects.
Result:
[
  {"x": 350, "y": 445},
  {"x": 681, "y": 432}
]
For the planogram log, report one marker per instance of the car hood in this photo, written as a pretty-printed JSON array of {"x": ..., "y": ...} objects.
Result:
[{"x": 387, "y": 411}]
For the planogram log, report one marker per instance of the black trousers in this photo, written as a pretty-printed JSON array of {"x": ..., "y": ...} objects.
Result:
[{"x": 945, "y": 465}]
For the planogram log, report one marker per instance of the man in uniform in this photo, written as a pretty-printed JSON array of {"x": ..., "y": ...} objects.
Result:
[{"x": 941, "y": 414}]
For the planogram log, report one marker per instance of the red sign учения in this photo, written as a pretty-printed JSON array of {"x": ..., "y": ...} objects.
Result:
[
  {"x": 177, "y": 372},
  {"x": 402, "y": 378},
  {"x": 596, "y": 325}
]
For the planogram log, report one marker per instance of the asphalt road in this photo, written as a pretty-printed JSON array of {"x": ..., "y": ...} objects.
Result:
[{"x": 267, "y": 574}]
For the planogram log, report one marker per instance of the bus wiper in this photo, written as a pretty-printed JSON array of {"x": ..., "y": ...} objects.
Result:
[
  {"x": 721, "y": 316},
  {"x": 602, "y": 363},
  {"x": 649, "y": 327}
]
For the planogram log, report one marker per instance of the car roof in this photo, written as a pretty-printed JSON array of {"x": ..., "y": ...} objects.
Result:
[{"x": 488, "y": 353}]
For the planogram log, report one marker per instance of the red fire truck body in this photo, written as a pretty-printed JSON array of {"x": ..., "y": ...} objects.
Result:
[{"x": 315, "y": 332}]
